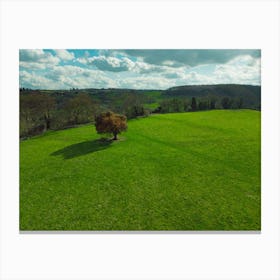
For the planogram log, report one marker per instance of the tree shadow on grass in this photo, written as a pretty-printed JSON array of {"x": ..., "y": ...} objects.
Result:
[{"x": 83, "y": 148}]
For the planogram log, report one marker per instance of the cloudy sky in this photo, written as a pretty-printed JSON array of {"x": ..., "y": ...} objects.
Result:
[{"x": 138, "y": 69}]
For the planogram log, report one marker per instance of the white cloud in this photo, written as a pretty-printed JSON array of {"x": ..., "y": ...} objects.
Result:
[
  {"x": 244, "y": 60},
  {"x": 187, "y": 57},
  {"x": 64, "y": 54},
  {"x": 146, "y": 82},
  {"x": 42, "y": 70},
  {"x": 66, "y": 70},
  {"x": 37, "y": 59},
  {"x": 104, "y": 63},
  {"x": 33, "y": 80},
  {"x": 241, "y": 70},
  {"x": 63, "y": 77},
  {"x": 114, "y": 64}
]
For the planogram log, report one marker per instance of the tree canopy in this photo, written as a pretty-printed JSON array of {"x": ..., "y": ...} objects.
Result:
[{"x": 109, "y": 122}]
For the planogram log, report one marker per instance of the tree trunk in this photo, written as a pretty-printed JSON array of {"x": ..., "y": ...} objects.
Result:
[
  {"x": 115, "y": 136},
  {"x": 48, "y": 125},
  {"x": 47, "y": 122}
]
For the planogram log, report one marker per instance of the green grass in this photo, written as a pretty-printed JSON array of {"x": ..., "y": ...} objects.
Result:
[
  {"x": 188, "y": 171},
  {"x": 151, "y": 106}
]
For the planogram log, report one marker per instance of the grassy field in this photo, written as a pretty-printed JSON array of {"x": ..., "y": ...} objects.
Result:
[{"x": 187, "y": 171}]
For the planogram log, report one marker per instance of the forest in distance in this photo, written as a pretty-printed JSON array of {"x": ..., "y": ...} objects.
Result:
[{"x": 42, "y": 110}]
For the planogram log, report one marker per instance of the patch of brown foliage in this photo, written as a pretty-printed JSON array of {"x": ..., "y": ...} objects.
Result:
[{"x": 110, "y": 122}]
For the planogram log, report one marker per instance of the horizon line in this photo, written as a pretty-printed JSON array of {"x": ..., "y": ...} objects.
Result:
[{"x": 110, "y": 88}]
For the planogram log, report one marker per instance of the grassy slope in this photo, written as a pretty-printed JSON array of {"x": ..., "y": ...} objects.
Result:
[{"x": 192, "y": 171}]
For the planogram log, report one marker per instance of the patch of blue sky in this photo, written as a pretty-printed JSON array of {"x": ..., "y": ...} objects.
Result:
[
  {"x": 121, "y": 56},
  {"x": 51, "y": 51},
  {"x": 84, "y": 52}
]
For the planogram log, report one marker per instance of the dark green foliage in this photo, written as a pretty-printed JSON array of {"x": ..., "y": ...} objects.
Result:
[
  {"x": 213, "y": 103},
  {"x": 226, "y": 103},
  {"x": 172, "y": 105},
  {"x": 239, "y": 103},
  {"x": 203, "y": 105},
  {"x": 251, "y": 95},
  {"x": 193, "y": 104},
  {"x": 134, "y": 111},
  {"x": 186, "y": 104}
]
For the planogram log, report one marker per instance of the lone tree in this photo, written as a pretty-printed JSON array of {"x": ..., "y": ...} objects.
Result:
[{"x": 110, "y": 122}]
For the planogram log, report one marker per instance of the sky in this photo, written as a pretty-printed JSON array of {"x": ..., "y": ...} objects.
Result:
[{"x": 136, "y": 69}]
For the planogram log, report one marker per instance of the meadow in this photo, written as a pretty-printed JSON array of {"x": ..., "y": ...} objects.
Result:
[{"x": 180, "y": 171}]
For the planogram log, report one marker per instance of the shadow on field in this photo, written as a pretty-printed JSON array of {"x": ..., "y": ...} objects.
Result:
[{"x": 83, "y": 148}]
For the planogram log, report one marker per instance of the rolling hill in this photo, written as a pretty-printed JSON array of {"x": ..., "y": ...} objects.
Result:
[
  {"x": 251, "y": 95},
  {"x": 187, "y": 171}
]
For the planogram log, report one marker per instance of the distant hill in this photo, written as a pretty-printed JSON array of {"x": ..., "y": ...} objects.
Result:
[
  {"x": 251, "y": 95},
  {"x": 114, "y": 98}
]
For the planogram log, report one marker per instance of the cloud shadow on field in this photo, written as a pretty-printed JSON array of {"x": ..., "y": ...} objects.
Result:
[{"x": 83, "y": 148}]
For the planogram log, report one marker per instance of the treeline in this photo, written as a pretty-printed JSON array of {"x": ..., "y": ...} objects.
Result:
[
  {"x": 251, "y": 95},
  {"x": 176, "y": 105},
  {"x": 41, "y": 111}
]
